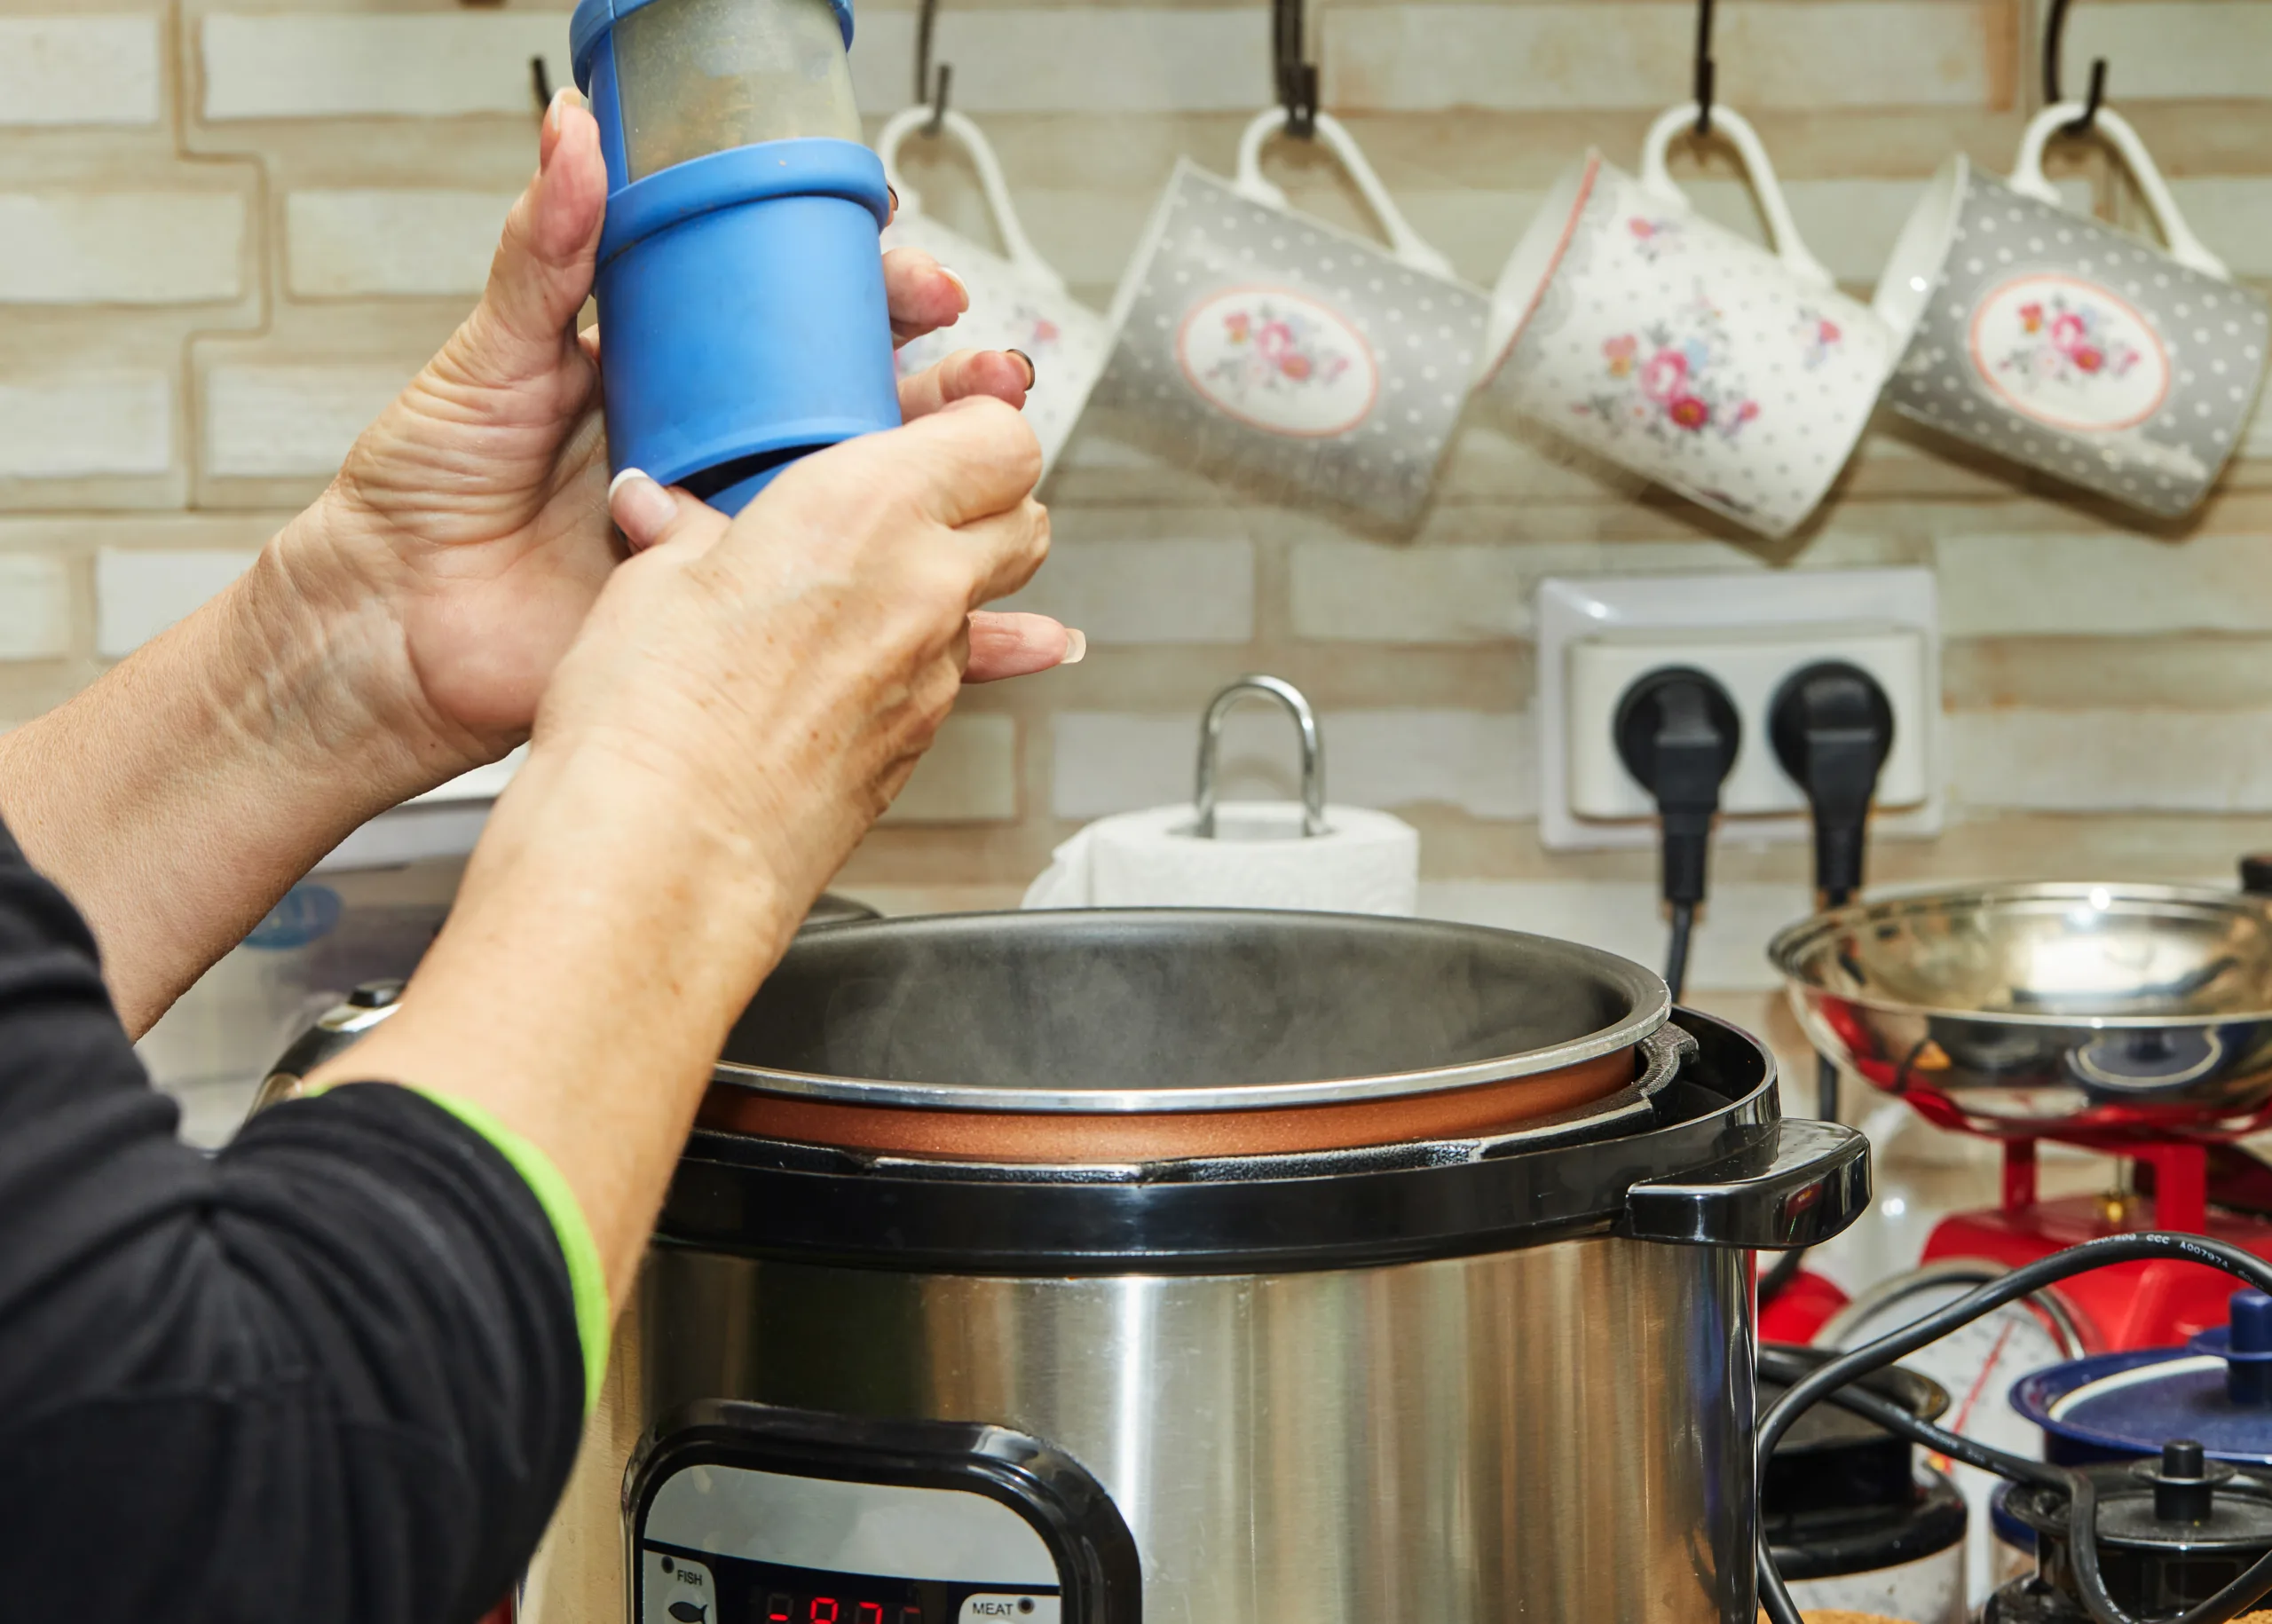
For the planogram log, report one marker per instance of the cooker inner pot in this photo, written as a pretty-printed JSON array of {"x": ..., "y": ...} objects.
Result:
[{"x": 1075, "y": 1002}]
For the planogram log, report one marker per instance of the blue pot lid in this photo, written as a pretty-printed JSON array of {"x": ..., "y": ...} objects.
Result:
[
  {"x": 593, "y": 18},
  {"x": 2134, "y": 1402}
]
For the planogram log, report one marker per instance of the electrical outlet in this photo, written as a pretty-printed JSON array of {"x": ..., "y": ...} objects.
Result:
[{"x": 1750, "y": 631}]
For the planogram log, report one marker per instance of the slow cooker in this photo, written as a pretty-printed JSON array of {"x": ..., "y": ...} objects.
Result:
[{"x": 1186, "y": 1265}]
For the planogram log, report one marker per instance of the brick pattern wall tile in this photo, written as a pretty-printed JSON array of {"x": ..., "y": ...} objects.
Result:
[
  {"x": 1166, "y": 591},
  {"x": 278, "y": 419},
  {"x": 1100, "y": 61},
  {"x": 121, "y": 247},
  {"x": 1607, "y": 54},
  {"x": 434, "y": 64},
  {"x": 2173, "y": 49},
  {"x": 34, "y": 606},
  {"x": 138, "y": 593},
  {"x": 1479, "y": 761},
  {"x": 2104, "y": 585},
  {"x": 65, "y": 69},
  {"x": 969, "y": 775},
  {"x": 2114, "y": 761},
  {"x": 391, "y": 241},
  {"x": 63, "y": 426}
]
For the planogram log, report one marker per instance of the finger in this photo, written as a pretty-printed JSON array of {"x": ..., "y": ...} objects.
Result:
[
  {"x": 651, "y": 515},
  {"x": 971, "y": 458},
  {"x": 1005, "y": 375},
  {"x": 542, "y": 271},
  {"x": 1003, "y": 550},
  {"x": 1009, "y": 645},
  {"x": 923, "y": 296}
]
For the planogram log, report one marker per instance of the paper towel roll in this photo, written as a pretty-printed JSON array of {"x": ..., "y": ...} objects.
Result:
[{"x": 1366, "y": 862}]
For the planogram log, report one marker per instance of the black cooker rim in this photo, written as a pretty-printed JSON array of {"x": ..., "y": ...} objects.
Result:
[{"x": 1720, "y": 1113}]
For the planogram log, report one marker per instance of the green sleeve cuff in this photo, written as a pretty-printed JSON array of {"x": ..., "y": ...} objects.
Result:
[{"x": 586, "y": 1280}]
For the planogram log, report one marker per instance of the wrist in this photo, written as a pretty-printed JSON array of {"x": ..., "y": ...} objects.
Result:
[{"x": 319, "y": 623}]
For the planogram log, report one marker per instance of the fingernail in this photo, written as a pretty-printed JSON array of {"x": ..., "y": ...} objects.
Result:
[
  {"x": 640, "y": 507},
  {"x": 1077, "y": 646},
  {"x": 559, "y": 104},
  {"x": 961, "y": 287},
  {"x": 1031, "y": 375},
  {"x": 894, "y": 196}
]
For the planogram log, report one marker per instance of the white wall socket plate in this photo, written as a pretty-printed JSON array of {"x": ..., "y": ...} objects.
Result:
[{"x": 1750, "y": 631}]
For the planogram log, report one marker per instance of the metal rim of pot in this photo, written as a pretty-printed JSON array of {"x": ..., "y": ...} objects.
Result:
[{"x": 1649, "y": 1002}]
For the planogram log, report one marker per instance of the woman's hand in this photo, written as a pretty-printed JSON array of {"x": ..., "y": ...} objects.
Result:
[
  {"x": 467, "y": 535},
  {"x": 744, "y": 698}
]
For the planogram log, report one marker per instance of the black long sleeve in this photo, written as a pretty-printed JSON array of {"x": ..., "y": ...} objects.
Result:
[{"x": 331, "y": 1375}]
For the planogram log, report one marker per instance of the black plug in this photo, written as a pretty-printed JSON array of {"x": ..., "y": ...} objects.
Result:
[
  {"x": 1677, "y": 733},
  {"x": 1832, "y": 727}
]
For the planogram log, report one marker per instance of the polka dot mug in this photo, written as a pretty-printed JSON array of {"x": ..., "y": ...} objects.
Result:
[
  {"x": 1017, "y": 300},
  {"x": 2065, "y": 345},
  {"x": 1257, "y": 342},
  {"x": 1741, "y": 377}
]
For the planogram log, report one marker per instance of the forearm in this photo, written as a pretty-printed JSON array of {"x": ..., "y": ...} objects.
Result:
[
  {"x": 176, "y": 799},
  {"x": 604, "y": 941}
]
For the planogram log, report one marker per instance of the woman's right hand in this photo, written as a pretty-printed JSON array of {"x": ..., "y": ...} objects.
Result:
[{"x": 793, "y": 664}]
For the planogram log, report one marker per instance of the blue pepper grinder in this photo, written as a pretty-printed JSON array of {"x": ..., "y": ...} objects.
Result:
[{"x": 740, "y": 288}]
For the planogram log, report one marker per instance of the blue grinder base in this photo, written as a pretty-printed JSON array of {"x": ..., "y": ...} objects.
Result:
[{"x": 743, "y": 315}]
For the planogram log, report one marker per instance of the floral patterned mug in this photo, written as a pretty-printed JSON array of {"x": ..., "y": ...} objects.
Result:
[
  {"x": 1017, "y": 300},
  {"x": 1257, "y": 341},
  {"x": 1624, "y": 320},
  {"x": 2069, "y": 346}
]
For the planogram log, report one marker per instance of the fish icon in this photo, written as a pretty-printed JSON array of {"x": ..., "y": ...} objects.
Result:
[{"x": 689, "y": 1613}]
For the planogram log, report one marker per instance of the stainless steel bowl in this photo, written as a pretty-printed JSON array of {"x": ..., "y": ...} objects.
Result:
[{"x": 2104, "y": 1013}]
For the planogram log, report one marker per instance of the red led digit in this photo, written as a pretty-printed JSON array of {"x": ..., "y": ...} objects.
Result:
[
  {"x": 868, "y": 1613},
  {"x": 822, "y": 1611},
  {"x": 776, "y": 1609},
  {"x": 911, "y": 1614}
]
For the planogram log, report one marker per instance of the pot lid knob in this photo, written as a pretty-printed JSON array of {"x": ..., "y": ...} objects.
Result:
[
  {"x": 2185, "y": 1484},
  {"x": 2248, "y": 1350}
]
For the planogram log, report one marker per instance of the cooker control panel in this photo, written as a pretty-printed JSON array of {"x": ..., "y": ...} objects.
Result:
[
  {"x": 727, "y": 1544},
  {"x": 754, "y": 1514}
]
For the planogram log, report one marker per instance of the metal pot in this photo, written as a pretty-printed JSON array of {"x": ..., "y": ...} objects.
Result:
[
  {"x": 1496, "y": 1374},
  {"x": 2103, "y": 1012}
]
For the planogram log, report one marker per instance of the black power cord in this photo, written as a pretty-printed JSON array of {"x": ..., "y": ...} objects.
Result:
[
  {"x": 1831, "y": 1382},
  {"x": 1677, "y": 732},
  {"x": 1832, "y": 728}
]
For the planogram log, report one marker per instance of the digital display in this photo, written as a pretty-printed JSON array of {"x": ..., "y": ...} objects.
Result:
[{"x": 737, "y": 1591}]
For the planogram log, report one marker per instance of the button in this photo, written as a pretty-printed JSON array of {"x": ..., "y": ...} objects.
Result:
[
  {"x": 1009, "y": 1608},
  {"x": 374, "y": 995}
]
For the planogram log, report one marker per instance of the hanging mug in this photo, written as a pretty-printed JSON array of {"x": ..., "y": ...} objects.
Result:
[
  {"x": 1738, "y": 377},
  {"x": 2069, "y": 346},
  {"x": 1254, "y": 341},
  {"x": 1017, "y": 299}
]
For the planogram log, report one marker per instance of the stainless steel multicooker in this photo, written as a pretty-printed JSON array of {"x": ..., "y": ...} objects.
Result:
[{"x": 1472, "y": 1366}]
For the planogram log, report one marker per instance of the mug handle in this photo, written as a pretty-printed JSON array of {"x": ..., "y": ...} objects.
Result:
[
  {"x": 990, "y": 183},
  {"x": 1780, "y": 227},
  {"x": 1405, "y": 243},
  {"x": 2027, "y": 177}
]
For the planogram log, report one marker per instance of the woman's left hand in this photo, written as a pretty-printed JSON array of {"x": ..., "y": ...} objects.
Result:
[{"x": 467, "y": 534}]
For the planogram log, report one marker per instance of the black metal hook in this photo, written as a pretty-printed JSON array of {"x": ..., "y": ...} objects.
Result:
[
  {"x": 927, "y": 87},
  {"x": 541, "y": 79},
  {"x": 2054, "y": 33},
  {"x": 1296, "y": 79},
  {"x": 1704, "y": 68}
]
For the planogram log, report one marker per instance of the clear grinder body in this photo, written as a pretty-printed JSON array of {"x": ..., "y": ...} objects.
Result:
[{"x": 740, "y": 287}]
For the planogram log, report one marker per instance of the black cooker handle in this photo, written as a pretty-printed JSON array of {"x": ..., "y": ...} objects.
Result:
[{"x": 1804, "y": 1184}]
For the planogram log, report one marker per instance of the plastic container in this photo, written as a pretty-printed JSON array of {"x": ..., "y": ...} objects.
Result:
[{"x": 740, "y": 282}]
